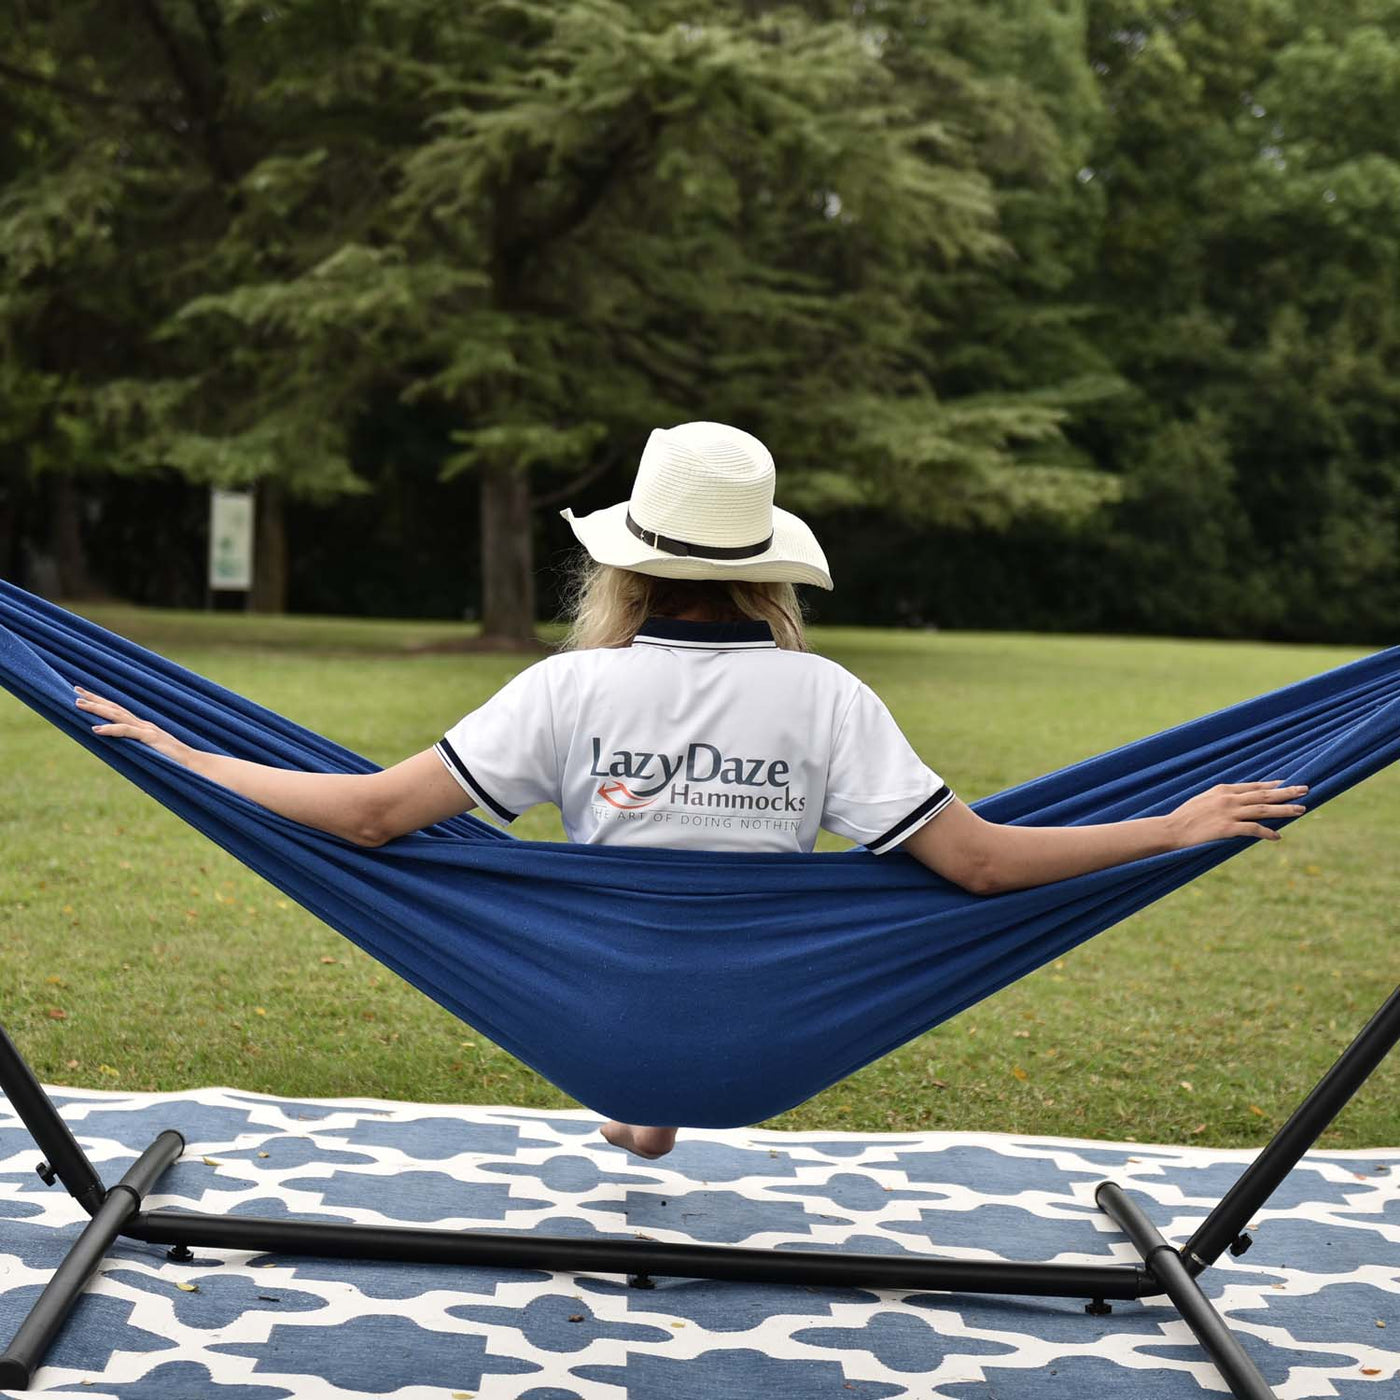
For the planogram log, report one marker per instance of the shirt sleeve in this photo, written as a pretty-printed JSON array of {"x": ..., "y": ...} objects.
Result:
[
  {"x": 879, "y": 791},
  {"x": 504, "y": 754}
]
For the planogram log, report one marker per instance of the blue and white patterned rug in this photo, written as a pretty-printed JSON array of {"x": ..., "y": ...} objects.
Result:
[{"x": 1316, "y": 1301}]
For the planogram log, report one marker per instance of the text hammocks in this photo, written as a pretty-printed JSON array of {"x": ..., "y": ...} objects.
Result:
[{"x": 690, "y": 987}]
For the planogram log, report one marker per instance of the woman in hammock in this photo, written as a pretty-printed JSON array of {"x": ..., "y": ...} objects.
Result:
[{"x": 686, "y": 711}]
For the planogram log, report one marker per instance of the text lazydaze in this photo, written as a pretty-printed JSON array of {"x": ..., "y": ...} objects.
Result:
[{"x": 699, "y": 763}]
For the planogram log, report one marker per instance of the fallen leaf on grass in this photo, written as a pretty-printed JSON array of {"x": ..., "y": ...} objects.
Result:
[
  {"x": 327, "y": 960},
  {"x": 57, "y": 1013},
  {"x": 1018, "y": 1072},
  {"x": 109, "y": 1071},
  {"x": 1188, "y": 1086},
  {"x": 1256, "y": 1110}
]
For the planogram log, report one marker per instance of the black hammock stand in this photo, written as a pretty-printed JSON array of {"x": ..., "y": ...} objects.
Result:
[{"x": 116, "y": 1211}]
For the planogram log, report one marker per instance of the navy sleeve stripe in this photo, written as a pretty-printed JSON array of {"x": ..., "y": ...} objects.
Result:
[
  {"x": 930, "y": 807},
  {"x": 463, "y": 774}
]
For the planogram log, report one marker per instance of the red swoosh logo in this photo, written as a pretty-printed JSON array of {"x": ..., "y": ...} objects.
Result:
[{"x": 608, "y": 791}]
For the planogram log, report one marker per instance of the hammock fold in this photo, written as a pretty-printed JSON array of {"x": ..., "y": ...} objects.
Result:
[{"x": 689, "y": 987}]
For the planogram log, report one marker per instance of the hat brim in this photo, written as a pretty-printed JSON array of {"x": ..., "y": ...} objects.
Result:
[{"x": 793, "y": 557}]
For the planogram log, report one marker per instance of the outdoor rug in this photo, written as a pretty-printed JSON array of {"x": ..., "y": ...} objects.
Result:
[{"x": 1316, "y": 1301}]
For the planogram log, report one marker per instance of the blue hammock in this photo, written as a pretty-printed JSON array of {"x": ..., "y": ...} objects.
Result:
[{"x": 692, "y": 988}]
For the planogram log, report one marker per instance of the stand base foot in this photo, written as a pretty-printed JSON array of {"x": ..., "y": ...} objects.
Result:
[{"x": 14, "y": 1375}]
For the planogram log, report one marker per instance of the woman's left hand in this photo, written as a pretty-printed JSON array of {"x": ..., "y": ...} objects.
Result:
[
  {"x": 120, "y": 723},
  {"x": 1236, "y": 809}
]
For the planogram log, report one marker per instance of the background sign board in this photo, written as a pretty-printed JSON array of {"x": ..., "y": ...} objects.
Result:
[{"x": 231, "y": 540}]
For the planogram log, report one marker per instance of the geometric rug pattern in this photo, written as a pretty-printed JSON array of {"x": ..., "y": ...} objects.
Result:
[{"x": 1316, "y": 1301}]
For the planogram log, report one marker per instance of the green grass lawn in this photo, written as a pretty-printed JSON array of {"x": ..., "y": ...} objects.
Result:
[{"x": 136, "y": 955}]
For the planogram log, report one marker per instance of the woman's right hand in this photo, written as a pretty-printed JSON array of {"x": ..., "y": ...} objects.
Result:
[
  {"x": 1235, "y": 809},
  {"x": 120, "y": 723}
]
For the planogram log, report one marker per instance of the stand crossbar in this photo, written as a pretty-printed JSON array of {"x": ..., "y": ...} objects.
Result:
[
  {"x": 1164, "y": 1268},
  {"x": 566, "y": 1254}
]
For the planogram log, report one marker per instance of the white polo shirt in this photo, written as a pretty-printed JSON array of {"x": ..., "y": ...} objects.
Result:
[{"x": 698, "y": 735}]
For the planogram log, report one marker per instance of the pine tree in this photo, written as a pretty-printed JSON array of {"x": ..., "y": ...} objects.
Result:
[{"x": 571, "y": 222}]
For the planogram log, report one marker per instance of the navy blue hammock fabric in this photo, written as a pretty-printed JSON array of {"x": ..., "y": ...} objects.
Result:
[{"x": 689, "y": 987}]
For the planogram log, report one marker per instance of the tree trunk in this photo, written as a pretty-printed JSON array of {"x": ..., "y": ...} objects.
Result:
[
  {"x": 507, "y": 558},
  {"x": 75, "y": 578},
  {"x": 269, "y": 593}
]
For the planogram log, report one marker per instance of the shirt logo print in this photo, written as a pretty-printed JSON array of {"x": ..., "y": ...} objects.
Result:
[{"x": 701, "y": 775}]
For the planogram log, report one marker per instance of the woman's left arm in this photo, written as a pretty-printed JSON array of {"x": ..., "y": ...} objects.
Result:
[
  {"x": 366, "y": 808},
  {"x": 987, "y": 858}
]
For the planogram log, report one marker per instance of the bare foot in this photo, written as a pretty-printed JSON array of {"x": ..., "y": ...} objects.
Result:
[{"x": 644, "y": 1142}]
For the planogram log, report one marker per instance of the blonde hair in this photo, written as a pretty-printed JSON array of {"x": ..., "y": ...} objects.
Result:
[{"x": 606, "y": 606}]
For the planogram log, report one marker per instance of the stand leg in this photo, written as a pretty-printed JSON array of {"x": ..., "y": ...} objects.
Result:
[
  {"x": 1240, "y": 1373},
  {"x": 31, "y": 1341},
  {"x": 1222, "y": 1227},
  {"x": 64, "y": 1158}
]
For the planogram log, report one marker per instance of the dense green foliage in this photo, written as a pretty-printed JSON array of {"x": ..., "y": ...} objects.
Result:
[
  {"x": 134, "y": 955},
  {"x": 1073, "y": 314}
]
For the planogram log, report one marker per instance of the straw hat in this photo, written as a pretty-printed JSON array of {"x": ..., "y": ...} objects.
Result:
[{"x": 702, "y": 507}]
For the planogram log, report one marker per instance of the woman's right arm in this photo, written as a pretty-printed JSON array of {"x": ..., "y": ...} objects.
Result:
[
  {"x": 366, "y": 808},
  {"x": 987, "y": 858}
]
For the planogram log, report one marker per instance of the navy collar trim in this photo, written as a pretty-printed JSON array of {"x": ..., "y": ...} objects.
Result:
[{"x": 704, "y": 636}]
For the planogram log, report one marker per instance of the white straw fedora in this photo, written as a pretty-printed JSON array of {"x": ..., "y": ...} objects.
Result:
[{"x": 702, "y": 507}]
